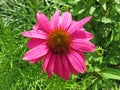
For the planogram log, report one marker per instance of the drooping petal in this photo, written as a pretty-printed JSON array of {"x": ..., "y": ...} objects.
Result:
[
  {"x": 50, "y": 67},
  {"x": 76, "y": 61},
  {"x": 36, "y": 52},
  {"x": 58, "y": 66},
  {"x": 80, "y": 34},
  {"x": 79, "y": 24},
  {"x": 72, "y": 69},
  {"x": 46, "y": 61},
  {"x": 43, "y": 22},
  {"x": 33, "y": 42},
  {"x": 65, "y": 20},
  {"x": 82, "y": 45},
  {"x": 35, "y": 60},
  {"x": 65, "y": 68},
  {"x": 35, "y": 34},
  {"x": 81, "y": 54},
  {"x": 55, "y": 20},
  {"x": 81, "y": 59}
]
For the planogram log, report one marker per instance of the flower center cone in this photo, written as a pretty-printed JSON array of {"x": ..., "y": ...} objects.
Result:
[{"x": 59, "y": 41}]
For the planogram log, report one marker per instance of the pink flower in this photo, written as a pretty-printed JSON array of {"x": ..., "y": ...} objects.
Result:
[{"x": 60, "y": 42}]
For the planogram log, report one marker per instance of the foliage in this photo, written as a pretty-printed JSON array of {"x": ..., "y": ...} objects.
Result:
[{"x": 103, "y": 66}]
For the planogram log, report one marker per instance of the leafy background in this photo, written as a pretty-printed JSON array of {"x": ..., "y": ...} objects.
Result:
[{"x": 103, "y": 65}]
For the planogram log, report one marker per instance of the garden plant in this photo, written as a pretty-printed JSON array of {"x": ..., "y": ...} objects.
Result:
[{"x": 37, "y": 36}]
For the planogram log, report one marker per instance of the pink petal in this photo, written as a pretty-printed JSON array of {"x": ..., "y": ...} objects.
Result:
[
  {"x": 33, "y": 42},
  {"x": 36, "y": 27},
  {"x": 50, "y": 67},
  {"x": 82, "y": 45},
  {"x": 81, "y": 58},
  {"x": 79, "y": 24},
  {"x": 46, "y": 61},
  {"x": 77, "y": 61},
  {"x": 65, "y": 20},
  {"x": 35, "y": 60},
  {"x": 35, "y": 34},
  {"x": 43, "y": 22},
  {"x": 36, "y": 52},
  {"x": 55, "y": 19},
  {"x": 80, "y": 34},
  {"x": 81, "y": 29},
  {"x": 84, "y": 21},
  {"x": 73, "y": 23},
  {"x": 58, "y": 66},
  {"x": 81, "y": 54},
  {"x": 65, "y": 68},
  {"x": 72, "y": 69},
  {"x": 89, "y": 35}
]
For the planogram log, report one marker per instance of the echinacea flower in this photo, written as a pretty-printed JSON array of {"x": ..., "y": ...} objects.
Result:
[{"x": 60, "y": 42}]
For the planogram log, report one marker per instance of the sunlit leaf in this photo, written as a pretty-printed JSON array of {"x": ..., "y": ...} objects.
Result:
[
  {"x": 92, "y": 10},
  {"x": 117, "y": 1},
  {"x": 110, "y": 73},
  {"x": 118, "y": 8},
  {"x": 106, "y": 20}
]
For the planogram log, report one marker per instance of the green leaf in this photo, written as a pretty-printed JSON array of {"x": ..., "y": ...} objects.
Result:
[
  {"x": 95, "y": 86},
  {"x": 103, "y": 3},
  {"x": 110, "y": 73},
  {"x": 92, "y": 9},
  {"x": 106, "y": 20},
  {"x": 118, "y": 8},
  {"x": 117, "y": 1},
  {"x": 77, "y": 11},
  {"x": 73, "y": 1},
  {"x": 104, "y": 6}
]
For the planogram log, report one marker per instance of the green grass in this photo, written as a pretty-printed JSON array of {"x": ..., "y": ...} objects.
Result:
[{"x": 103, "y": 71}]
